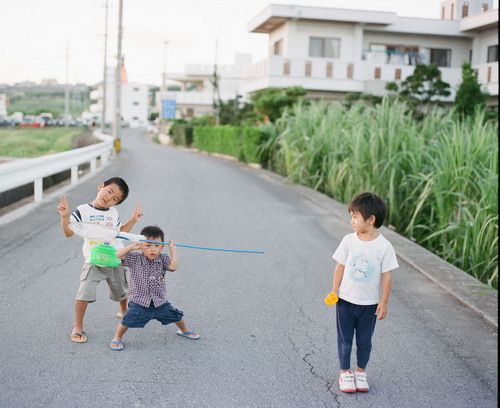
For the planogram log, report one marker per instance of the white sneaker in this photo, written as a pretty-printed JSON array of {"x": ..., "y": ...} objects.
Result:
[
  {"x": 361, "y": 383},
  {"x": 346, "y": 382}
]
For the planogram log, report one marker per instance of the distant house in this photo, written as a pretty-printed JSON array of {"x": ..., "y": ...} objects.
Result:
[
  {"x": 193, "y": 92},
  {"x": 134, "y": 107},
  {"x": 331, "y": 52}
]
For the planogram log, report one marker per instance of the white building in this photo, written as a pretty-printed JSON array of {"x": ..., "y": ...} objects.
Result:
[
  {"x": 331, "y": 52},
  {"x": 197, "y": 93},
  {"x": 134, "y": 107}
]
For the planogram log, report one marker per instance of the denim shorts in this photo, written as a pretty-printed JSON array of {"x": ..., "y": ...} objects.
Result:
[{"x": 137, "y": 315}]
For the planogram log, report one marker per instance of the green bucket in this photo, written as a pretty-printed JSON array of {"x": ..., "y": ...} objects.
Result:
[{"x": 104, "y": 255}]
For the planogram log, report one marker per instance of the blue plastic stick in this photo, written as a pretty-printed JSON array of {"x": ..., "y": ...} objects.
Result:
[{"x": 197, "y": 247}]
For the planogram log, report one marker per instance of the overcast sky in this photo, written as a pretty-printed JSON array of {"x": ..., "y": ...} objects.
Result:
[{"x": 35, "y": 34}]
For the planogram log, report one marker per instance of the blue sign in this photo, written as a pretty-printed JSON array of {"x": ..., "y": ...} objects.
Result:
[{"x": 168, "y": 109}]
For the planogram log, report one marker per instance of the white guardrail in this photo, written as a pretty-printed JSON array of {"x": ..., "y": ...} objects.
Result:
[{"x": 21, "y": 172}]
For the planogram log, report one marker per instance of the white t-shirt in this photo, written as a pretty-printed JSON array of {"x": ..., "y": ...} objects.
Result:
[
  {"x": 108, "y": 217},
  {"x": 365, "y": 262}
]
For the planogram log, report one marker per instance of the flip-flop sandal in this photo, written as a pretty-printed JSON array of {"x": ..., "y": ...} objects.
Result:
[
  {"x": 186, "y": 335},
  {"x": 118, "y": 343},
  {"x": 81, "y": 337}
]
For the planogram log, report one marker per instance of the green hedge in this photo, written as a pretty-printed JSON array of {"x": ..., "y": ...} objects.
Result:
[
  {"x": 182, "y": 134},
  {"x": 241, "y": 142}
]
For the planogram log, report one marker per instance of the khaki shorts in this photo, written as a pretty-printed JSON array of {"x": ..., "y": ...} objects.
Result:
[{"x": 116, "y": 277}]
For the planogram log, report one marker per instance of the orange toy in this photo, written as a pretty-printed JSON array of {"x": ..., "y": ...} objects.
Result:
[{"x": 331, "y": 299}]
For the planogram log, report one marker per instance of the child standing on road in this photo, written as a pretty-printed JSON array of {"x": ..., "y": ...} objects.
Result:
[
  {"x": 365, "y": 260},
  {"x": 147, "y": 291},
  {"x": 101, "y": 211}
]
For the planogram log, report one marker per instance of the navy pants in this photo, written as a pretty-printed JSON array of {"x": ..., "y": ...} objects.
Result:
[{"x": 352, "y": 319}]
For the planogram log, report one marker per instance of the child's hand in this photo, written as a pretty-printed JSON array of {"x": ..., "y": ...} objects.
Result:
[
  {"x": 63, "y": 207},
  {"x": 137, "y": 214},
  {"x": 331, "y": 299},
  {"x": 171, "y": 245},
  {"x": 381, "y": 311}
]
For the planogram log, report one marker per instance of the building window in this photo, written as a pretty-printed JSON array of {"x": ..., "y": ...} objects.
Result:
[
  {"x": 470, "y": 56},
  {"x": 442, "y": 13},
  {"x": 136, "y": 103},
  {"x": 278, "y": 47},
  {"x": 329, "y": 70},
  {"x": 136, "y": 89},
  {"x": 308, "y": 68},
  {"x": 377, "y": 73},
  {"x": 465, "y": 9},
  {"x": 440, "y": 57},
  {"x": 324, "y": 47},
  {"x": 286, "y": 68},
  {"x": 350, "y": 71},
  {"x": 484, "y": 7},
  {"x": 190, "y": 112},
  {"x": 398, "y": 74},
  {"x": 393, "y": 54},
  {"x": 493, "y": 53}
]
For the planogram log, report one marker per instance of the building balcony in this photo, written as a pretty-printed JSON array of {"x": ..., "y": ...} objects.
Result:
[
  {"x": 364, "y": 76},
  {"x": 190, "y": 98}
]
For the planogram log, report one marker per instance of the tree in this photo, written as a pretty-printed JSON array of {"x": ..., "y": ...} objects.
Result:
[
  {"x": 423, "y": 87},
  {"x": 469, "y": 94},
  {"x": 271, "y": 102}
]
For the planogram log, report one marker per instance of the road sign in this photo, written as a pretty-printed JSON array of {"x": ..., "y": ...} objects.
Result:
[{"x": 168, "y": 109}]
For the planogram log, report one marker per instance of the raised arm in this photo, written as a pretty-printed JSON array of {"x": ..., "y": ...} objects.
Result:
[
  {"x": 64, "y": 212},
  {"x": 173, "y": 255},
  {"x": 136, "y": 215},
  {"x": 125, "y": 250}
]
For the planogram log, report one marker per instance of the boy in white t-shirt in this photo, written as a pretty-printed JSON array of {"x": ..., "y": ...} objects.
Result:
[
  {"x": 101, "y": 211},
  {"x": 365, "y": 260}
]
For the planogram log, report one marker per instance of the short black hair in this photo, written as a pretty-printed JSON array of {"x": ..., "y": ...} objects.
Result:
[
  {"x": 368, "y": 204},
  {"x": 121, "y": 185},
  {"x": 152, "y": 231}
]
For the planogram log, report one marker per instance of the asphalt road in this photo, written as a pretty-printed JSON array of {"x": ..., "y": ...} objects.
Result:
[{"x": 267, "y": 338}]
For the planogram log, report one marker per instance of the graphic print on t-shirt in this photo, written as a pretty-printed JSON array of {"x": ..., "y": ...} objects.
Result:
[{"x": 362, "y": 270}]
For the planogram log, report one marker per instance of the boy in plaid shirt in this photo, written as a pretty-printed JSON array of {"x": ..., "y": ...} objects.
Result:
[{"x": 147, "y": 289}]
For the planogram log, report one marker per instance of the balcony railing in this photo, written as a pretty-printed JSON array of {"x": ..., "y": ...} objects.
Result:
[{"x": 344, "y": 76}]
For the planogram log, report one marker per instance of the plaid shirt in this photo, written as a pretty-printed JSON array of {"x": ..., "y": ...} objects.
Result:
[{"x": 147, "y": 278}]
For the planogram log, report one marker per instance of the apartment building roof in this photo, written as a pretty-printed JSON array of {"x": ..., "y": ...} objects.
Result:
[{"x": 276, "y": 14}]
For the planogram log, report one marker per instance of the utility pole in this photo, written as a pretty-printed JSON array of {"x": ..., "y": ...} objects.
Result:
[
  {"x": 66, "y": 90},
  {"x": 104, "y": 81},
  {"x": 216, "y": 93},
  {"x": 162, "y": 89},
  {"x": 118, "y": 82}
]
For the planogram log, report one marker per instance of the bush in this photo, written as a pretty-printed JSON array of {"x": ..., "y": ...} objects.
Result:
[
  {"x": 241, "y": 142},
  {"x": 182, "y": 134}
]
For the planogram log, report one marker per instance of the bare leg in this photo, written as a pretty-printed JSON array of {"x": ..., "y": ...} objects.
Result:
[
  {"x": 123, "y": 306},
  {"x": 120, "y": 331},
  {"x": 182, "y": 325},
  {"x": 80, "y": 308}
]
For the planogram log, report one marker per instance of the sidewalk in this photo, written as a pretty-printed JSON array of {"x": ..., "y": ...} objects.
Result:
[{"x": 453, "y": 280}]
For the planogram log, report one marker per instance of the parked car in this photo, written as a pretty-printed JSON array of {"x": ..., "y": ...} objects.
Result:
[
  {"x": 63, "y": 119},
  {"x": 32, "y": 121},
  {"x": 4, "y": 122},
  {"x": 47, "y": 118},
  {"x": 16, "y": 118}
]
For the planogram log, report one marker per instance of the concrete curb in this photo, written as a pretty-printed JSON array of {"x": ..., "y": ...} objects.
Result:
[{"x": 465, "y": 288}]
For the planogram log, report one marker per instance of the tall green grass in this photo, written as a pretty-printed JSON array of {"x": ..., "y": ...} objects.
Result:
[
  {"x": 33, "y": 142},
  {"x": 439, "y": 177}
]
